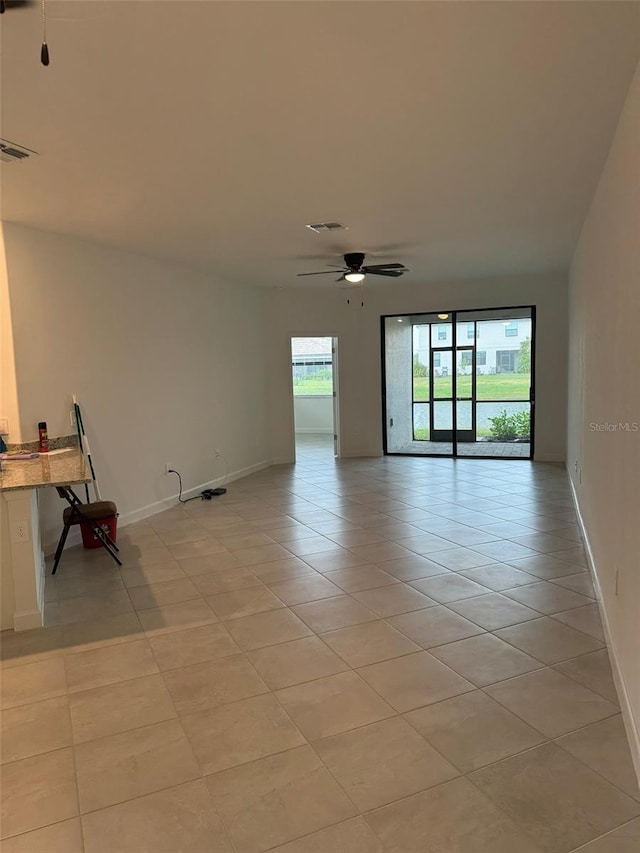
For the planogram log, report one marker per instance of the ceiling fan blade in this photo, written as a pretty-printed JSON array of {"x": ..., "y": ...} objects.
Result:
[
  {"x": 324, "y": 272},
  {"x": 15, "y": 4},
  {"x": 392, "y": 273},
  {"x": 384, "y": 267},
  {"x": 342, "y": 278}
]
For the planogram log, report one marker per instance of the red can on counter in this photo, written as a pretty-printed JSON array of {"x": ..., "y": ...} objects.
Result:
[{"x": 43, "y": 437}]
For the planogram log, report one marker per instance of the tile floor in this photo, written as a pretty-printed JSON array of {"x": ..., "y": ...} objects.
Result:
[{"x": 373, "y": 656}]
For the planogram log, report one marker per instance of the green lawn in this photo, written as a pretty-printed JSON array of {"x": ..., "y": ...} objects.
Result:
[
  {"x": 313, "y": 387},
  {"x": 499, "y": 386},
  {"x": 422, "y": 433}
]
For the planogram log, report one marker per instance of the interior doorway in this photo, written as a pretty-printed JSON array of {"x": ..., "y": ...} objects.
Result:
[
  {"x": 460, "y": 383},
  {"x": 315, "y": 397}
]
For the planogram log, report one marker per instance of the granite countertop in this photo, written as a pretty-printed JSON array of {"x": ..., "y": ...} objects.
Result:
[{"x": 49, "y": 469}]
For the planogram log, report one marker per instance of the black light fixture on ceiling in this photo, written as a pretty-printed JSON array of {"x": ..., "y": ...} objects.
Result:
[{"x": 354, "y": 270}]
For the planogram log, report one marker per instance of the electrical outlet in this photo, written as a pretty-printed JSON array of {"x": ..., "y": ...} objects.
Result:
[
  {"x": 167, "y": 468},
  {"x": 4, "y": 426},
  {"x": 218, "y": 452},
  {"x": 20, "y": 531}
]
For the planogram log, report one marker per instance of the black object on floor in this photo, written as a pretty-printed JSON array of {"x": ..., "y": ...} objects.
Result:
[{"x": 212, "y": 493}]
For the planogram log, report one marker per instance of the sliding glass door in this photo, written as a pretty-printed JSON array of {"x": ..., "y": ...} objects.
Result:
[{"x": 459, "y": 383}]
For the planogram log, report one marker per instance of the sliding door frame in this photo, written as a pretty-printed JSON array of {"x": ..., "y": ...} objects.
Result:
[{"x": 453, "y": 315}]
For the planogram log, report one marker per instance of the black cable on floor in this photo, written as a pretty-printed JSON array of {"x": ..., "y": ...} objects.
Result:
[{"x": 185, "y": 501}]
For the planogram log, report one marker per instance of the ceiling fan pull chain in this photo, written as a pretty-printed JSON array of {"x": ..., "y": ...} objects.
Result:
[{"x": 44, "y": 50}]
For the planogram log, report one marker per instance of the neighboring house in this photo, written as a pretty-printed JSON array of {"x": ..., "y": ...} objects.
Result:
[{"x": 498, "y": 345}]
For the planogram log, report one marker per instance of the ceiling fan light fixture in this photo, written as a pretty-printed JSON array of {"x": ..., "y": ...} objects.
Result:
[
  {"x": 355, "y": 270},
  {"x": 443, "y": 316}
]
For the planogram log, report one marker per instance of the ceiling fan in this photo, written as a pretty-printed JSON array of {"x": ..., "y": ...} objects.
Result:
[{"x": 354, "y": 270}]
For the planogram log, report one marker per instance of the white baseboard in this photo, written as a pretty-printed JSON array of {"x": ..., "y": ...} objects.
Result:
[
  {"x": 314, "y": 431},
  {"x": 126, "y": 518},
  {"x": 26, "y": 619},
  {"x": 632, "y": 726}
]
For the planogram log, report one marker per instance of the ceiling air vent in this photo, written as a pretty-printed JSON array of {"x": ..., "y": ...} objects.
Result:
[
  {"x": 326, "y": 226},
  {"x": 12, "y": 153}
]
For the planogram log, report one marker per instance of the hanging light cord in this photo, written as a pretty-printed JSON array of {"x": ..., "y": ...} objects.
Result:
[
  {"x": 44, "y": 50},
  {"x": 361, "y": 297}
]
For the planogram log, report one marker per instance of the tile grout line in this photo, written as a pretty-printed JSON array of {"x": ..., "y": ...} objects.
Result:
[{"x": 604, "y": 835}]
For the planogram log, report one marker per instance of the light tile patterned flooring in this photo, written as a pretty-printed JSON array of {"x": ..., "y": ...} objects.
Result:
[{"x": 371, "y": 656}]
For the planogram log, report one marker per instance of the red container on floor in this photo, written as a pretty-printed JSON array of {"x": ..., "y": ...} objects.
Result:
[{"x": 89, "y": 538}]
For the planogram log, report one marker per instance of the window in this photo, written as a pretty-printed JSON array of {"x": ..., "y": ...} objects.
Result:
[
  {"x": 471, "y": 332},
  {"x": 442, "y": 333},
  {"x": 466, "y": 358},
  {"x": 511, "y": 329},
  {"x": 312, "y": 376},
  {"x": 436, "y": 359},
  {"x": 481, "y": 358}
]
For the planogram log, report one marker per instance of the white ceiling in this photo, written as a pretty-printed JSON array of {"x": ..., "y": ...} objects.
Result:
[{"x": 463, "y": 139}]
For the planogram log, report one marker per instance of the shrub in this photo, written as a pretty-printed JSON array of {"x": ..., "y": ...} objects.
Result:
[
  {"x": 502, "y": 427},
  {"x": 506, "y": 427},
  {"x": 523, "y": 424}
]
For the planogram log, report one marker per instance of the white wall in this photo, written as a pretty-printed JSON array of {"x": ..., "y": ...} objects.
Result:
[
  {"x": 8, "y": 386},
  {"x": 7, "y": 599},
  {"x": 166, "y": 362},
  {"x": 313, "y": 414},
  {"x": 8, "y": 409},
  {"x": 604, "y": 382},
  {"x": 313, "y": 310}
]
